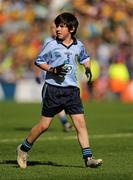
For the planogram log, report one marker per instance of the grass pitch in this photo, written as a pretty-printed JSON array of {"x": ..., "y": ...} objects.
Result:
[{"x": 57, "y": 155}]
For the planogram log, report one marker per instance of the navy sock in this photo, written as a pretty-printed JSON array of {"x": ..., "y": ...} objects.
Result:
[
  {"x": 86, "y": 152},
  {"x": 26, "y": 146},
  {"x": 63, "y": 120}
]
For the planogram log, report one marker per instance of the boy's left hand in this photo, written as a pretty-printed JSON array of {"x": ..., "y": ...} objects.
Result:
[
  {"x": 59, "y": 70},
  {"x": 88, "y": 74}
]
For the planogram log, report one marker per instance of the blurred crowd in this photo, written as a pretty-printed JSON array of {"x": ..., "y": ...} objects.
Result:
[{"x": 106, "y": 28}]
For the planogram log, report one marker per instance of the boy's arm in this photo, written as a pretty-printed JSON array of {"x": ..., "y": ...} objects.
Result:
[
  {"x": 58, "y": 70},
  {"x": 43, "y": 66},
  {"x": 88, "y": 73},
  {"x": 37, "y": 72}
]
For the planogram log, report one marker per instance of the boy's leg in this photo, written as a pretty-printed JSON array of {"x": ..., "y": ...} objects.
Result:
[
  {"x": 35, "y": 132},
  {"x": 38, "y": 129},
  {"x": 82, "y": 134}
]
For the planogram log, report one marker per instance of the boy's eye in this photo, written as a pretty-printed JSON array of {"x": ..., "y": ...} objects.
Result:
[{"x": 61, "y": 25}]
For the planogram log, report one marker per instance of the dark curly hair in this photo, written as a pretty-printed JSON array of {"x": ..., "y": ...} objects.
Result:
[{"x": 69, "y": 20}]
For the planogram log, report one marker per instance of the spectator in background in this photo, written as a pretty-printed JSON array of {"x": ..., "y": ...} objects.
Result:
[
  {"x": 12, "y": 70},
  {"x": 118, "y": 76}
]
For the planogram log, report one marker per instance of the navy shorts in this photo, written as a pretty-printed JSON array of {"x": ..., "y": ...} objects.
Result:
[{"x": 55, "y": 99}]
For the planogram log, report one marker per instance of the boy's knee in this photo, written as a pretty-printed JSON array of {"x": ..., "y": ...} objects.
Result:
[
  {"x": 43, "y": 127},
  {"x": 81, "y": 127}
]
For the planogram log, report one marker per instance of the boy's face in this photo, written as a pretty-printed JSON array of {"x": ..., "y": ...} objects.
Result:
[{"x": 63, "y": 32}]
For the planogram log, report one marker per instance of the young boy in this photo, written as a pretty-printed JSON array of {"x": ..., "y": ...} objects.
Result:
[{"x": 59, "y": 58}]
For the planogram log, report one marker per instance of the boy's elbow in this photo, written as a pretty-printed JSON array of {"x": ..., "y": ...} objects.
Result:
[{"x": 35, "y": 63}]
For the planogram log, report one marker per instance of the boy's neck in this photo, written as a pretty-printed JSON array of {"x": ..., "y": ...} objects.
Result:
[{"x": 67, "y": 42}]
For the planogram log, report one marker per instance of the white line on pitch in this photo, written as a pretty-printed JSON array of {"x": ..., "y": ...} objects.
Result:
[{"x": 53, "y": 138}]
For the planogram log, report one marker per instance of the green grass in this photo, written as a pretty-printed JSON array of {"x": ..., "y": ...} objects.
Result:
[{"x": 57, "y": 155}]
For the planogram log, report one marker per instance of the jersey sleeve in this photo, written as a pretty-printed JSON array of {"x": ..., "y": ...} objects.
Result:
[
  {"x": 84, "y": 56},
  {"x": 45, "y": 55}
]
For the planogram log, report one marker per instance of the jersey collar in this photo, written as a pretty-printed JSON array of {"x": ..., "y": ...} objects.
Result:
[{"x": 60, "y": 42}]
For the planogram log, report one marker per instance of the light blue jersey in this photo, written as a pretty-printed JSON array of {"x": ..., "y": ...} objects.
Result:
[{"x": 55, "y": 53}]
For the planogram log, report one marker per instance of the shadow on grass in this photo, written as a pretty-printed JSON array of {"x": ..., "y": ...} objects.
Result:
[
  {"x": 29, "y": 128},
  {"x": 36, "y": 163},
  {"x": 22, "y": 129}
]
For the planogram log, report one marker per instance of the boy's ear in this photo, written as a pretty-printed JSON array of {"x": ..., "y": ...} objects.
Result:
[{"x": 72, "y": 30}]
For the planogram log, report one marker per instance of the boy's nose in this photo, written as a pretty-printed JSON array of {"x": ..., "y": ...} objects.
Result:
[{"x": 58, "y": 28}]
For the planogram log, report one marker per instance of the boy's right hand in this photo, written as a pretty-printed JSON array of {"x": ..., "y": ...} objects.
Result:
[
  {"x": 38, "y": 80},
  {"x": 59, "y": 70}
]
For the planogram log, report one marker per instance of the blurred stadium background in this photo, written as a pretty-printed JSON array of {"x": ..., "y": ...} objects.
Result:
[{"x": 106, "y": 28}]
